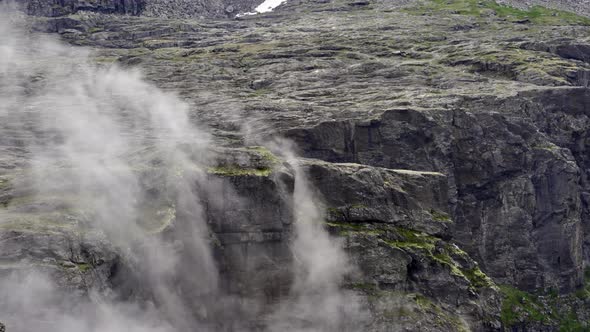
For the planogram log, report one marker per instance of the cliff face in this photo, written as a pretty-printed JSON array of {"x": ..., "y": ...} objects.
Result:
[
  {"x": 154, "y": 8},
  {"x": 64, "y": 7},
  {"x": 446, "y": 141},
  {"x": 395, "y": 225},
  {"x": 515, "y": 194}
]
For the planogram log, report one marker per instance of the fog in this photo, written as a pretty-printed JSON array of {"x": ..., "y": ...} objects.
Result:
[{"x": 89, "y": 133}]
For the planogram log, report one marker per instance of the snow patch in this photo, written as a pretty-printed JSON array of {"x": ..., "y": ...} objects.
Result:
[{"x": 265, "y": 7}]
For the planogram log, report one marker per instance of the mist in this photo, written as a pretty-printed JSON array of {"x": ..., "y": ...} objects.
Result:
[{"x": 126, "y": 159}]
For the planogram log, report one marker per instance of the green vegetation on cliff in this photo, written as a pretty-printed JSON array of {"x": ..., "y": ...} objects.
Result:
[
  {"x": 419, "y": 243},
  {"x": 548, "y": 309},
  {"x": 233, "y": 170}
]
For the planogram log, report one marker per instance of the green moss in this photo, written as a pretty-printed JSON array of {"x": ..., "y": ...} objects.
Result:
[
  {"x": 84, "y": 267},
  {"x": 95, "y": 30},
  {"x": 584, "y": 292},
  {"x": 157, "y": 43},
  {"x": 548, "y": 147},
  {"x": 265, "y": 154},
  {"x": 517, "y": 64},
  {"x": 233, "y": 170},
  {"x": 445, "y": 259},
  {"x": 335, "y": 212},
  {"x": 516, "y": 303},
  {"x": 347, "y": 228},
  {"x": 420, "y": 243},
  {"x": 423, "y": 302},
  {"x": 106, "y": 59},
  {"x": 365, "y": 287},
  {"x": 259, "y": 92},
  {"x": 454, "y": 251},
  {"x": 538, "y": 15},
  {"x": 440, "y": 216},
  {"x": 571, "y": 323},
  {"x": 170, "y": 53},
  {"x": 443, "y": 319},
  {"x": 477, "y": 278},
  {"x": 414, "y": 239}
]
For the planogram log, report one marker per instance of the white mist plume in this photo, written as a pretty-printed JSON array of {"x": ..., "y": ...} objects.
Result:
[
  {"x": 86, "y": 125},
  {"x": 317, "y": 301}
]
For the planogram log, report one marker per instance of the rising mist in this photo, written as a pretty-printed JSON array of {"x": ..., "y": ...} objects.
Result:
[{"x": 123, "y": 157}]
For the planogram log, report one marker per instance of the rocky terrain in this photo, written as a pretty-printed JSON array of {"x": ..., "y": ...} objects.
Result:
[
  {"x": 446, "y": 140},
  {"x": 581, "y": 7}
]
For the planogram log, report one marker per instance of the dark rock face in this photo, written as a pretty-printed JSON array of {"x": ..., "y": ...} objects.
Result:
[
  {"x": 155, "y": 8},
  {"x": 54, "y": 8},
  {"x": 568, "y": 49},
  {"x": 397, "y": 227},
  {"x": 507, "y": 185}
]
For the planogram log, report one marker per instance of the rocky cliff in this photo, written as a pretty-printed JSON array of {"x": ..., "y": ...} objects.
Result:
[
  {"x": 156, "y": 8},
  {"x": 446, "y": 140}
]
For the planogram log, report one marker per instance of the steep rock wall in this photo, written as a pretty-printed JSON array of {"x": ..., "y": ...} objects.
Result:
[
  {"x": 395, "y": 225},
  {"x": 514, "y": 195}
]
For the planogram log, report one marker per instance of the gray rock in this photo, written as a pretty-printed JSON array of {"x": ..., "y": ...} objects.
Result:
[
  {"x": 581, "y": 7},
  {"x": 54, "y": 8}
]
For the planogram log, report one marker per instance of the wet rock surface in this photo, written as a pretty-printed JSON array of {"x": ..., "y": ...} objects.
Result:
[{"x": 447, "y": 140}]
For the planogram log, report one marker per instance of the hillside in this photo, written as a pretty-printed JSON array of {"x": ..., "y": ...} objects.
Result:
[{"x": 330, "y": 165}]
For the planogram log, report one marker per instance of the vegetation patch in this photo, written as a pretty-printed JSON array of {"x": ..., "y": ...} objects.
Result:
[
  {"x": 83, "y": 267},
  {"x": 518, "y": 304},
  {"x": 95, "y": 29},
  {"x": 347, "y": 228},
  {"x": 477, "y": 278},
  {"x": 264, "y": 154},
  {"x": 548, "y": 309},
  {"x": 421, "y": 243},
  {"x": 517, "y": 64},
  {"x": 233, "y": 170},
  {"x": 414, "y": 239},
  {"x": 440, "y": 216}
]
